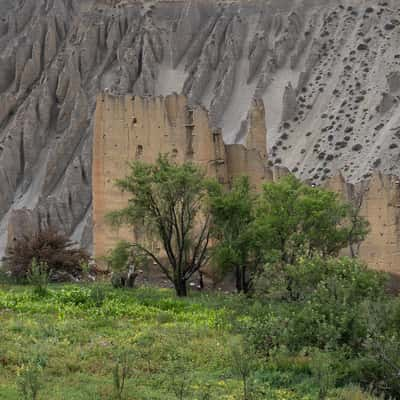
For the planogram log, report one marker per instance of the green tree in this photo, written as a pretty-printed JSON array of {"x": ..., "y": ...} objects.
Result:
[
  {"x": 169, "y": 202},
  {"x": 296, "y": 220},
  {"x": 236, "y": 247}
]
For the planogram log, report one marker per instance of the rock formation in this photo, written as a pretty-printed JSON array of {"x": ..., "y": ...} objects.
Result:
[
  {"x": 328, "y": 72},
  {"x": 139, "y": 128},
  {"x": 378, "y": 200}
]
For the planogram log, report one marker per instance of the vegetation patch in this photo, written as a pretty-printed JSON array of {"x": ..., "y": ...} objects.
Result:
[
  {"x": 148, "y": 344},
  {"x": 304, "y": 324}
]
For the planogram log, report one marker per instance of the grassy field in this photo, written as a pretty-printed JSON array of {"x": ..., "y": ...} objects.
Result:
[{"x": 75, "y": 335}]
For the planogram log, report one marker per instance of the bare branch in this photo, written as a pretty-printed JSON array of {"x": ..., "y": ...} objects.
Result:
[{"x": 155, "y": 259}]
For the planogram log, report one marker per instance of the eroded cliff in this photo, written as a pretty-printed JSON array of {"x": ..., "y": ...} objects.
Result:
[{"x": 327, "y": 70}]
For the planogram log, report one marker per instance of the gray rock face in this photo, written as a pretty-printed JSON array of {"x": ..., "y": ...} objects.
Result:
[
  {"x": 289, "y": 103},
  {"x": 329, "y": 75}
]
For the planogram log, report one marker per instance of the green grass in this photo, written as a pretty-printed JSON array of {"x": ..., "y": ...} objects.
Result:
[{"x": 76, "y": 333}]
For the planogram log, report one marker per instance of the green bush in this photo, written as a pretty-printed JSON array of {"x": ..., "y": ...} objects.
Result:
[
  {"x": 29, "y": 381},
  {"x": 97, "y": 296},
  {"x": 121, "y": 373},
  {"x": 117, "y": 259},
  {"x": 379, "y": 364},
  {"x": 324, "y": 373},
  {"x": 124, "y": 260},
  {"x": 322, "y": 304},
  {"x": 303, "y": 280},
  {"x": 244, "y": 366},
  {"x": 337, "y": 306},
  {"x": 38, "y": 276}
]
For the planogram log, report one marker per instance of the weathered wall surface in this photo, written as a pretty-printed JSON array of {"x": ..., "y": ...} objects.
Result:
[
  {"x": 130, "y": 128},
  {"x": 378, "y": 201}
]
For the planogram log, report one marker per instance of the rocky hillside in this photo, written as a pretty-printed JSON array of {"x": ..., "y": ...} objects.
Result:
[{"x": 327, "y": 70}]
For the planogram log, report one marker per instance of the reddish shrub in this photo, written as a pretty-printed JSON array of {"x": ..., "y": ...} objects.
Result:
[{"x": 61, "y": 255}]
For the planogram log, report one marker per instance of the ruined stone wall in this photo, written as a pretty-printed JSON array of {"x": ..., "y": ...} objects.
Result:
[
  {"x": 140, "y": 128},
  {"x": 129, "y": 128},
  {"x": 379, "y": 202},
  {"x": 250, "y": 157}
]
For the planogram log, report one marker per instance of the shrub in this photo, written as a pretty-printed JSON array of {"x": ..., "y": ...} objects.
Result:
[
  {"x": 28, "y": 381},
  {"x": 243, "y": 363},
  {"x": 121, "y": 373},
  {"x": 98, "y": 296},
  {"x": 124, "y": 260},
  {"x": 38, "y": 276},
  {"x": 338, "y": 307},
  {"x": 324, "y": 374},
  {"x": 379, "y": 364},
  {"x": 118, "y": 258},
  {"x": 179, "y": 370},
  {"x": 355, "y": 393},
  {"x": 50, "y": 247},
  {"x": 334, "y": 313},
  {"x": 306, "y": 278},
  {"x": 324, "y": 304},
  {"x": 206, "y": 392}
]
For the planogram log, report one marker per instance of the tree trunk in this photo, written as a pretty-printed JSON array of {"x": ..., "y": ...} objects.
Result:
[
  {"x": 245, "y": 286},
  {"x": 131, "y": 277},
  {"x": 201, "y": 280},
  {"x": 245, "y": 389},
  {"x": 239, "y": 282},
  {"x": 180, "y": 288}
]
